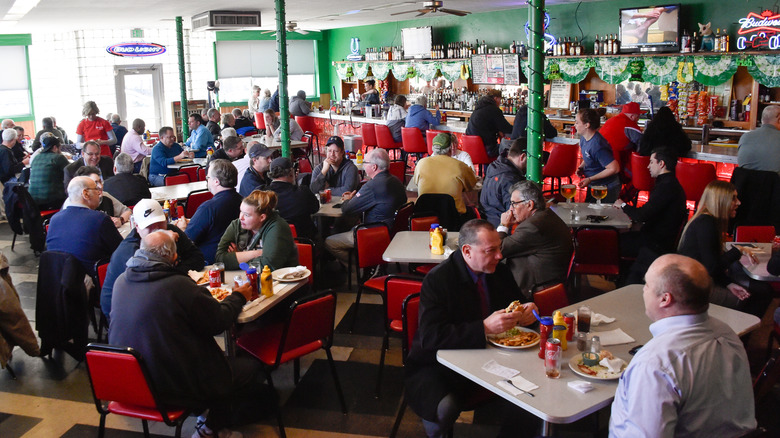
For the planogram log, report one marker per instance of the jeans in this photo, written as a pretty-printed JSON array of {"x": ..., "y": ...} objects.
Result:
[{"x": 157, "y": 180}]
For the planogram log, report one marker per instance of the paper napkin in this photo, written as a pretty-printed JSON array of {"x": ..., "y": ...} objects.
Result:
[
  {"x": 613, "y": 337},
  {"x": 519, "y": 382},
  {"x": 598, "y": 319},
  {"x": 581, "y": 386}
]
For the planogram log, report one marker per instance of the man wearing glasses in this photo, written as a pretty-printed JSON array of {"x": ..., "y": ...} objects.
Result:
[
  {"x": 539, "y": 250},
  {"x": 91, "y": 157}
]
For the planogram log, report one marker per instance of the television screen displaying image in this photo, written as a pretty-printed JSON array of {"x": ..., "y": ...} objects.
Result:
[{"x": 650, "y": 29}]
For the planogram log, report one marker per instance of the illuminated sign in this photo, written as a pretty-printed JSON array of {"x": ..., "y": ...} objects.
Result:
[
  {"x": 759, "y": 31},
  {"x": 548, "y": 39},
  {"x": 136, "y": 49}
]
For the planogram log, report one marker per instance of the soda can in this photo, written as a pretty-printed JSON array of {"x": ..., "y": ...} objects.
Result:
[
  {"x": 568, "y": 318},
  {"x": 215, "y": 277},
  {"x": 552, "y": 358},
  {"x": 545, "y": 331},
  {"x": 559, "y": 333}
]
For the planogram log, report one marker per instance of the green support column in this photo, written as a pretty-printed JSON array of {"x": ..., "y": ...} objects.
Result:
[
  {"x": 185, "y": 126},
  {"x": 281, "y": 47},
  {"x": 536, "y": 90}
]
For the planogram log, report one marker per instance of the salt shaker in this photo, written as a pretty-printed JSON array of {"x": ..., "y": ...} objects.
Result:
[{"x": 595, "y": 345}]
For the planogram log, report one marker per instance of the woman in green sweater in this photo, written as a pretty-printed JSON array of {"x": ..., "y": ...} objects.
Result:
[{"x": 259, "y": 234}]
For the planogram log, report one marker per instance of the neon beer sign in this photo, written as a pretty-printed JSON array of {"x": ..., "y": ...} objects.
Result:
[{"x": 759, "y": 31}]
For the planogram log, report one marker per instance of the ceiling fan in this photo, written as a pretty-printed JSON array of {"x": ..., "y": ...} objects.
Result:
[
  {"x": 292, "y": 26},
  {"x": 435, "y": 6}
]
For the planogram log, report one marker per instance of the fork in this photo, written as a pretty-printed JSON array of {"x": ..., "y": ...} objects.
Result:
[{"x": 521, "y": 390}]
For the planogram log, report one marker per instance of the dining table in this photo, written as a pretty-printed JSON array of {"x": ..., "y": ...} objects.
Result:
[
  {"x": 178, "y": 191},
  {"x": 275, "y": 144},
  {"x": 756, "y": 271},
  {"x": 554, "y": 402},
  {"x": 414, "y": 247},
  {"x": 580, "y": 214},
  {"x": 189, "y": 162}
]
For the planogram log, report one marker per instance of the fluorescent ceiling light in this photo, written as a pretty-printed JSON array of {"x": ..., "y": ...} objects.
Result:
[{"x": 20, "y": 8}]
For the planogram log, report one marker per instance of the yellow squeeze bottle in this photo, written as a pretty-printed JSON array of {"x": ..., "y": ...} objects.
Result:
[
  {"x": 359, "y": 156},
  {"x": 437, "y": 242},
  {"x": 266, "y": 282},
  {"x": 559, "y": 321}
]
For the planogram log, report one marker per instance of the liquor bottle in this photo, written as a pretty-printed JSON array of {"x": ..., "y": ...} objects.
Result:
[
  {"x": 724, "y": 41},
  {"x": 579, "y": 50},
  {"x": 604, "y": 46},
  {"x": 716, "y": 44},
  {"x": 695, "y": 43},
  {"x": 596, "y": 45},
  {"x": 685, "y": 42},
  {"x": 617, "y": 45}
]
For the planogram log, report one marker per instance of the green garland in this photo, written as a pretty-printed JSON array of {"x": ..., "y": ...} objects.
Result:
[
  {"x": 766, "y": 70},
  {"x": 660, "y": 70},
  {"x": 713, "y": 70},
  {"x": 613, "y": 70},
  {"x": 380, "y": 70}
]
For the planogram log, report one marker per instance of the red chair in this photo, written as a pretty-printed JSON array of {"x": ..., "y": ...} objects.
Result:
[
  {"x": 694, "y": 177},
  {"x": 402, "y": 215},
  {"x": 308, "y": 328},
  {"x": 421, "y": 222},
  {"x": 121, "y": 385},
  {"x": 102, "y": 269},
  {"x": 194, "y": 199},
  {"x": 473, "y": 145},
  {"x": 413, "y": 143},
  {"x": 293, "y": 231},
  {"x": 640, "y": 174},
  {"x": 551, "y": 299},
  {"x": 190, "y": 171},
  {"x": 307, "y": 123},
  {"x": 311, "y": 140},
  {"x": 371, "y": 241},
  {"x": 305, "y": 253},
  {"x": 172, "y": 180},
  {"x": 369, "y": 135},
  {"x": 398, "y": 170},
  {"x": 259, "y": 121},
  {"x": 397, "y": 288},
  {"x": 385, "y": 140},
  {"x": 562, "y": 163},
  {"x": 202, "y": 174},
  {"x": 304, "y": 165},
  {"x": 755, "y": 233},
  {"x": 410, "y": 311},
  {"x": 429, "y": 135},
  {"x": 597, "y": 251},
  {"x": 105, "y": 151}
]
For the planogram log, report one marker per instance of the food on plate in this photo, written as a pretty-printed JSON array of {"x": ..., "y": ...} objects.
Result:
[
  {"x": 220, "y": 293},
  {"x": 514, "y": 306},
  {"x": 600, "y": 371},
  {"x": 588, "y": 370},
  {"x": 203, "y": 278},
  {"x": 605, "y": 354},
  {"x": 294, "y": 275},
  {"x": 517, "y": 338}
]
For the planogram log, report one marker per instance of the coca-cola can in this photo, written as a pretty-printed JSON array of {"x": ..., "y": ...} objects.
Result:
[
  {"x": 552, "y": 358},
  {"x": 545, "y": 330},
  {"x": 568, "y": 318},
  {"x": 215, "y": 277}
]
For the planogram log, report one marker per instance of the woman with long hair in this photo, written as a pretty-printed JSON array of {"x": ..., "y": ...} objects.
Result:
[
  {"x": 259, "y": 234},
  {"x": 664, "y": 130},
  {"x": 703, "y": 239}
]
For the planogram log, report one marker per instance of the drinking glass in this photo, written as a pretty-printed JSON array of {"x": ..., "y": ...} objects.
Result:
[
  {"x": 568, "y": 191},
  {"x": 598, "y": 192},
  {"x": 583, "y": 319}
]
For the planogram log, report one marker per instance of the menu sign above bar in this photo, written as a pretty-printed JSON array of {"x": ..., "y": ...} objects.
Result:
[{"x": 496, "y": 69}]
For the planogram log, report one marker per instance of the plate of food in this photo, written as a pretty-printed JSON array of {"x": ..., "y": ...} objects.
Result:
[
  {"x": 598, "y": 371},
  {"x": 295, "y": 273},
  {"x": 220, "y": 293},
  {"x": 200, "y": 278},
  {"x": 515, "y": 338}
]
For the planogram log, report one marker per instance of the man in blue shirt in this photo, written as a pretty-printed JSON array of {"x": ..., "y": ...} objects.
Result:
[
  {"x": 119, "y": 131},
  {"x": 200, "y": 137},
  {"x": 165, "y": 152},
  {"x": 210, "y": 220},
  {"x": 419, "y": 117}
]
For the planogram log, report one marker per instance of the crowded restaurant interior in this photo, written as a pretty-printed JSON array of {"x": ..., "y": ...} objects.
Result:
[{"x": 414, "y": 218}]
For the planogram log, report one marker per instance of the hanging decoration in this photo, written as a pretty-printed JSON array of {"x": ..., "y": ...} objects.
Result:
[
  {"x": 713, "y": 70},
  {"x": 575, "y": 69},
  {"x": 427, "y": 70},
  {"x": 613, "y": 70},
  {"x": 343, "y": 71},
  {"x": 360, "y": 69},
  {"x": 635, "y": 68},
  {"x": 766, "y": 70},
  {"x": 380, "y": 69},
  {"x": 659, "y": 70},
  {"x": 685, "y": 72},
  {"x": 452, "y": 70}
]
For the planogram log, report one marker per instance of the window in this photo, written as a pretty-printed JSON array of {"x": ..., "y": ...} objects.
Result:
[{"x": 14, "y": 88}]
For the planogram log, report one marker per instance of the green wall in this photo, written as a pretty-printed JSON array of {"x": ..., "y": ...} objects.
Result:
[{"x": 500, "y": 28}]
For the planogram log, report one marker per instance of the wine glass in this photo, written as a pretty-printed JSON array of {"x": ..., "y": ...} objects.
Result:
[
  {"x": 598, "y": 192},
  {"x": 568, "y": 191}
]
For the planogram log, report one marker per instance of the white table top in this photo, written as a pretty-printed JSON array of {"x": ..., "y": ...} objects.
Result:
[
  {"x": 125, "y": 229},
  {"x": 763, "y": 253},
  {"x": 617, "y": 218},
  {"x": 554, "y": 401},
  {"x": 275, "y": 144},
  {"x": 328, "y": 210},
  {"x": 412, "y": 247},
  {"x": 199, "y": 161},
  {"x": 179, "y": 191}
]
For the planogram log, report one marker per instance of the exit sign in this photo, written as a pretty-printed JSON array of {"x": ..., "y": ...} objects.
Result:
[{"x": 137, "y": 33}]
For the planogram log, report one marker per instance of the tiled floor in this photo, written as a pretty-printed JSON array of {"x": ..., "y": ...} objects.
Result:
[{"x": 52, "y": 398}]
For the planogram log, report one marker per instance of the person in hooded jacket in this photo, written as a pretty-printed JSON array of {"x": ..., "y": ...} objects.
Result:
[
  {"x": 298, "y": 104},
  {"x": 487, "y": 121},
  {"x": 419, "y": 117},
  {"x": 500, "y": 176},
  {"x": 521, "y": 123}
]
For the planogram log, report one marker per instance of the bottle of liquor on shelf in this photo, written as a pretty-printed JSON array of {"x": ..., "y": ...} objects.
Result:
[
  {"x": 695, "y": 43},
  {"x": 685, "y": 42},
  {"x": 604, "y": 46},
  {"x": 596, "y": 45},
  {"x": 724, "y": 41},
  {"x": 617, "y": 45},
  {"x": 716, "y": 43}
]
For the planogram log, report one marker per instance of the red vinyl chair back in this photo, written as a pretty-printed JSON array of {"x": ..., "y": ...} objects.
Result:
[
  {"x": 694, "y": 177},
  {"x": 371, "y": 241},
  {"x": 191, "y": 172},
  {"x": 194, "y": 199},
  {"x": 259, "y": 121},
  {"x": 369, "y": 134},
  {"x": 384, "y": 138},
  {"x": 410, "y": 317},
  {"x": 402, "y": 215},
  {"x": 306, "y": 256},
  {"x": 640, "y": 174},
  {"x": 101, "y": 271},
  {"x": 429, "y": 135},
  {"x": 177, "y": 179},
  {"x": 309, "y": 328},
  {"x": 597, "y": 251},
  {"x": 413, "y": 141},
  {"x": 202, "y": 174},
  {"x": 306, "y": 123},
  {"x": 562, "y": 162},
  {"x": 473, "y": 145},
  {"x": 397, "y": 288},
  {"x": 105, "y": 151},
  {"x": 398, "y": 170},
  {"x": 551, "y": 299},
  {"x": 755, "y": 233},
  {"x": 422, "y": 223},
  {"x": 293, "y": 230},
  {"x": 304, "y": 165}
]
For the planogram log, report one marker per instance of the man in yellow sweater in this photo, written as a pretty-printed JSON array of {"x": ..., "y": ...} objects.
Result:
[{"x": 440, "y": 173}]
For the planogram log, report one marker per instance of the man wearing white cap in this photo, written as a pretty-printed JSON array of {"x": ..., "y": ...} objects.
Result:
[{"x": 147, "y": 217}]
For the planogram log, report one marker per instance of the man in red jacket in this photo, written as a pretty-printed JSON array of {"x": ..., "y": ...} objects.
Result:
[{"x": 613, "y": 130}]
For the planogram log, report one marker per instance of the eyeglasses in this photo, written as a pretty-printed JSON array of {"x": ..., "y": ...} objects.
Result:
[
  {"x": 92, "y": 188},
  {"x": 514, "y": 204},
  {"x": 92, "y": 154}
]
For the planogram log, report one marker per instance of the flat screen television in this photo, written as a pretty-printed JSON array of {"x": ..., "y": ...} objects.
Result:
[
  {"x": 418, "y": 42},
  {"x": 650, "y": 29}
]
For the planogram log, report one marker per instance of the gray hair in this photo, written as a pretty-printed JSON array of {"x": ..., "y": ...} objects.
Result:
[
  {"x": 247, "y": 114},
  {"x": 379, "y": 157},
  {"x": 227, "y": 117},
  {"x": 770, "y": 114},
  {"x": 225, "y": 172},
  {"x": 469, "y": 231},
  {"x": 421, "y": 100},
  {"x": 530, "y": 191},
  {"x": 115, "y": 118},
  {"x": 10, "y": 134},
  {"x": 124, "y": 163},
  {"x": 161, "y": 245},
  {"x": 211, "y": 112},
  {"x": 236, "y": 112},
  {"x": 90, "y": 107},
  {"x": 228, "y": 132},
  {"x": 77, "y": 186},
  {"x": 7, "y": 123}
]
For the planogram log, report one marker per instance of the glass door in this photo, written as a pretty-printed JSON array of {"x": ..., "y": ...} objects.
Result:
[{"x": 139, "y": 94}]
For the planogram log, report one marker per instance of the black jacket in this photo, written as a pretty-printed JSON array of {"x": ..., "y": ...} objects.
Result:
[
  {"x": 172, "y": 322},
  {"x": 701, "y": 241},
  {"x": 662, "y": 216},
  {"x": 106, "y": 166},
  {"x": 379, "y": 198},
  {"x": 521, "y": 122},
  {"x": 127, "y": 188},
  {"x": 296, "y": 205},
  {"x": 487, "y": 121},
  {"x": 494, "y": 197}
]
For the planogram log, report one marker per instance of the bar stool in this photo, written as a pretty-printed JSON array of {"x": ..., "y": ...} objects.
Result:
[
  {"x": 694, "y": 177},
  {"x": 561, "y": 164},
  {"x": 413, "y": 143},
  {"x": 640, "y": 175},
  {"x": 473, "y": 145},
  {"x": 385, "y": 140},
  {"x": 369, "y": 135},
  {"x": 309, "y": 126},
  {"x": 429, "y": 135}
]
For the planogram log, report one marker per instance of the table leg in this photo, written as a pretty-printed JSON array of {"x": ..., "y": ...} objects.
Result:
[
  {"x": 230, "y": 344},
  {"x": 545, "y": 428}
]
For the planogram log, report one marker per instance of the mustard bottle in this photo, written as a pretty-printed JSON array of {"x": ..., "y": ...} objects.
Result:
[
  {"x": 167, "y": 209},
  {"x": 359, "y": 156},
  {"x": 560, "y": 328},
  {"x": 437, "y": 242},
  {"x": 266, "y": 282}
]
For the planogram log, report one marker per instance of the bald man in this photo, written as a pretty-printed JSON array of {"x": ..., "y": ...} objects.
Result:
[
  {"x": 692, "y": 379},
  {"x": 759, "y": 149}
]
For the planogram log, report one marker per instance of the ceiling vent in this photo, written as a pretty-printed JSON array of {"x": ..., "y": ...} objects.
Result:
[{"x": 222, "y": 20}]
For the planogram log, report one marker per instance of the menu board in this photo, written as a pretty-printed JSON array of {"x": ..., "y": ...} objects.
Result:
[
  {"x": 560, "y": 92},
  {"x": 496, "y": 69}
]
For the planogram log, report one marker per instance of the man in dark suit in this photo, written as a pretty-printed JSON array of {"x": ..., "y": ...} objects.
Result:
[
  {"x": 539, "y": 250},
  {"x": 124, "y": 186},
  {"x": 90, "y": 157},
  {"x": 461, "y": 301}
]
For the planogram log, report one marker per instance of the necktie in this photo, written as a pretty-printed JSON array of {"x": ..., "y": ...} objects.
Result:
[{"x": 483, "y": 297}]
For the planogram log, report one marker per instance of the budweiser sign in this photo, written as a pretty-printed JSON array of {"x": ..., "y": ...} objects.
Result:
[
  {"x": 759, "y": 31},
  {"x": 766, "y": 21}
]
